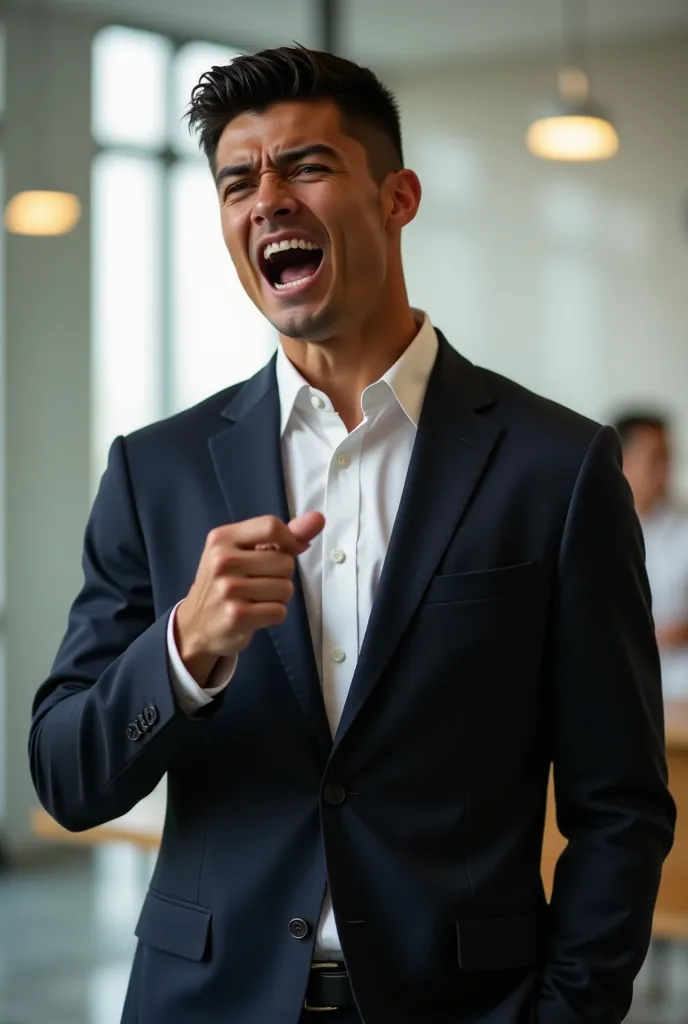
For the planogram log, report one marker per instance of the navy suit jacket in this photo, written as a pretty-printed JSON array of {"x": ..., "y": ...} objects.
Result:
[{"x": 511, "y": 631}]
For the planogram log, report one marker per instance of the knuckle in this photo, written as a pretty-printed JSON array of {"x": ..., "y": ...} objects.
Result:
[
  {"x": 235, "y": 617},
  {"x": 272, "y": 527},
  {"x": 222, "y": 561},
  {"x": 214, "y": 560},
  {"x": 230, "y": 588},
  {"x": 215, "y": 538},
  {"x": 231, "y": 561}
]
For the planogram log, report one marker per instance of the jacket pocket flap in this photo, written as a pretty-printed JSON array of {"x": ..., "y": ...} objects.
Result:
[
  {"x": 174, "y": 926},
  {"x": 508, "y": 581},
  {"x": 497, "y": 944}
]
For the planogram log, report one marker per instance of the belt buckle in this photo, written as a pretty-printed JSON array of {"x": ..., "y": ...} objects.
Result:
[{"x": 321, "y": 1009}]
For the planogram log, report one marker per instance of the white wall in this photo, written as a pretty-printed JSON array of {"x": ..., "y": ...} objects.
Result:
[{"x": 571, "y": 279}]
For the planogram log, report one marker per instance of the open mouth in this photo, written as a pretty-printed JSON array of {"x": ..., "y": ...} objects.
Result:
[{"x": 291, "y": 263}]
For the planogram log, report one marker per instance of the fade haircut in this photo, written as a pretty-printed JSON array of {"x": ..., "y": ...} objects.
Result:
[
  {"x": 254, "y": 82},
  {"x": 628, "y": 425}
]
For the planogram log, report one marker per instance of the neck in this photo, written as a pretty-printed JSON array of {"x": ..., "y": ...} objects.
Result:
[{"x": 343, "y": 366}]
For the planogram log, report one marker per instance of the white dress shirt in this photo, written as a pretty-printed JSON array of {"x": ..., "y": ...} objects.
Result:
[
  {"x": 356, "y": 481},
  {"x": 666, "y": 545}
]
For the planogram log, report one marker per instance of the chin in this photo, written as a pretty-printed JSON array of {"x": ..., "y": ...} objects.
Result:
[{"x": 303, "y": 325}]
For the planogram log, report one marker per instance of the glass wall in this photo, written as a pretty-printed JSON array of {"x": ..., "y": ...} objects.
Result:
[{"x": 171, "y": 322}]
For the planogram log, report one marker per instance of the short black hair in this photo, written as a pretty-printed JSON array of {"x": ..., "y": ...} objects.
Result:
[
  {"x": 254, "y": 82},
  {"x": 628, "y": 424}
]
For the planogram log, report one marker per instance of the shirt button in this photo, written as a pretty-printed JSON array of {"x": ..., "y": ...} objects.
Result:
[
  {"x": 344, "y": 461},
  {"x": 338, "y": 655},
  {"x": 338, "y": 556},
  {"x": 317, "y": 402}
]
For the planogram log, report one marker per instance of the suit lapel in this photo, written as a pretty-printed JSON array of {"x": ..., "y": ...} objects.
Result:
[
  {"x": 248, "y": 463},
  {"x": 451, "y": 453}
]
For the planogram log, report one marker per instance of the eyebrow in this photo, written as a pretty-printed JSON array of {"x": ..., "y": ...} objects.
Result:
[{"x": 283, "y": 159}]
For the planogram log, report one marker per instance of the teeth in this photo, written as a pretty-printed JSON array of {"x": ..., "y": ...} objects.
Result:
[
  {"x": 293, "y": 284},
  {"x": 287, "y": 243}
]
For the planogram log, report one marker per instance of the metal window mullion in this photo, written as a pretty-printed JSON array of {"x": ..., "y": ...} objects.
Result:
[
  {"x": 171, "y": 160},
  {"x": 166, "y": 292}
]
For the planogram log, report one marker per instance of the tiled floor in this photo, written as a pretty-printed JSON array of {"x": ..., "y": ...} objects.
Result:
[{"x": 66, "y": 941}]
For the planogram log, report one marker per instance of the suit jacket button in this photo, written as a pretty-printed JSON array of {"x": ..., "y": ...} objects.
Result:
[
  {"x": 334, "y": 794},
  {"x": 133, "y": 731},
  {"x": 150, "y": 715},
  {"x": 298, "y": 928}
]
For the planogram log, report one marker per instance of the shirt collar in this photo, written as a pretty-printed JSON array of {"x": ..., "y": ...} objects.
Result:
[
  {"x": 407, "y": 380},
  {"x": 290, "y": 384}
]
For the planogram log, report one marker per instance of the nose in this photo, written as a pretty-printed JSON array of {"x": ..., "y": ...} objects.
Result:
[{"x": 273, "y": 200}]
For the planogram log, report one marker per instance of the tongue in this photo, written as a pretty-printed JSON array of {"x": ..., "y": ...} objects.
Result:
[{"x": 296, "y": 273}]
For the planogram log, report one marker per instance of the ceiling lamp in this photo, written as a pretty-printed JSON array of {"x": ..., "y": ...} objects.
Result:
[
  {"x": 42, "y": 213},
  {"x": 574, "y": 127}
]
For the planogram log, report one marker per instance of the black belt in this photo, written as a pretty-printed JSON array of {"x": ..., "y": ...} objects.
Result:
[{"x": 328, "y": 988}]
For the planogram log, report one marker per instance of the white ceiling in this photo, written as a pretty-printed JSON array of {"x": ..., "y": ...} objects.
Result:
[
  {"x": 438, "y": 29},
  {"x": 394, "y": 32}
]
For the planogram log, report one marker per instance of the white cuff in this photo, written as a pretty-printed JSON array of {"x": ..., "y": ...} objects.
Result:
[{"x": 189, "y": 695}]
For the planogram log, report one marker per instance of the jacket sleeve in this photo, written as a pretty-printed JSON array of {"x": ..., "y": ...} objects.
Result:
[
  {"x": 105, "y": 725},
  {"x": 605, "y": 723}
]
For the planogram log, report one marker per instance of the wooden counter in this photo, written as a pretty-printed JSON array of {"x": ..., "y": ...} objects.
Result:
[{"x": 142, "y": 826}]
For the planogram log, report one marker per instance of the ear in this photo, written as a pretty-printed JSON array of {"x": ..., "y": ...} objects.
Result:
[{"x": 401, "y": 198}]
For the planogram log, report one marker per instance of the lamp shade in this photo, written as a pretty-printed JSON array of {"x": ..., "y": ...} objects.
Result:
[
  {"x": 572, "y": 131},
  {"x": 42, "y": 213}
]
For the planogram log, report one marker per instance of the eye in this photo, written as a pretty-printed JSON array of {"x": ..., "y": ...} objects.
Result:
[
  {"x": 235, "y": 188},
  {"x": 312, "y": 169}
]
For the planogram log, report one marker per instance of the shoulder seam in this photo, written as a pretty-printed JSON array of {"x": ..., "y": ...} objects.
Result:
[{"x": 592, "y": 446}]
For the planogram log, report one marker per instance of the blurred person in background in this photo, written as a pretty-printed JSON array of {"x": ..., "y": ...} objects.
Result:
[
  {"x": 647, "y": 462},
  {"x": 355, "y": 607}
]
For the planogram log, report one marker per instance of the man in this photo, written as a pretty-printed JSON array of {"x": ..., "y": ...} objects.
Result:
[
  {"x": 357, "y": 753},
  {"x": 645, "y": 439}
]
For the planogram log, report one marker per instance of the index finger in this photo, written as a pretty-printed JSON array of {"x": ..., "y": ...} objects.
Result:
[{"x": 267, "y": 531}]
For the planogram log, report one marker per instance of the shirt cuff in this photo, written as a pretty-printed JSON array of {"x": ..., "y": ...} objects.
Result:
[{"x": 188, "y": 694}]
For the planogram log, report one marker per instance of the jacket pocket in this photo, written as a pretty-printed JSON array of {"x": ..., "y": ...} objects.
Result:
[
  {"x": 480, "y": 586},
  {"x": 498, "y": 944},
  {"x": 174, "y": 926}
]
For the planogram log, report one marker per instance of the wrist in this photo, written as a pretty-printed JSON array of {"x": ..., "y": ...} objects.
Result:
[{"x": 197, "y": 661}]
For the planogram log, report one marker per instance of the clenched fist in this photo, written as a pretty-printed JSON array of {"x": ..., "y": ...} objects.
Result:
[{"x": 243, "y": 583}]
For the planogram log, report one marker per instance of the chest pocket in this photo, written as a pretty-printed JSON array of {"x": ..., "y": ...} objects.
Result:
[{"x": 506, "y": 582}]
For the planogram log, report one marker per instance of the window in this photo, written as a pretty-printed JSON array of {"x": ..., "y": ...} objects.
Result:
[
  {"x": 127, "y": 286},
  {"x": 171, "y": 322},
  {"x": 130, "y": 73},
  {"x": 217, "y": 332}
]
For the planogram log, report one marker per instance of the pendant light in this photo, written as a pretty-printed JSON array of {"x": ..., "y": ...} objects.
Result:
[
  {"x": 42, "y": 209},
  {"x": 42, "y": 212},
  {"x": 575, "y": 127}
]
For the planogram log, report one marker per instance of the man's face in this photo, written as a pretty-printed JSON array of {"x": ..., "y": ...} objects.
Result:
[
  {"x": 307, "y": 227},
  {"x": 647, "y": 465}
]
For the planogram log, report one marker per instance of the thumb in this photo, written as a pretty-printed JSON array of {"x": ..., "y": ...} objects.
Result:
[{"x": 307, "y": 526}]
